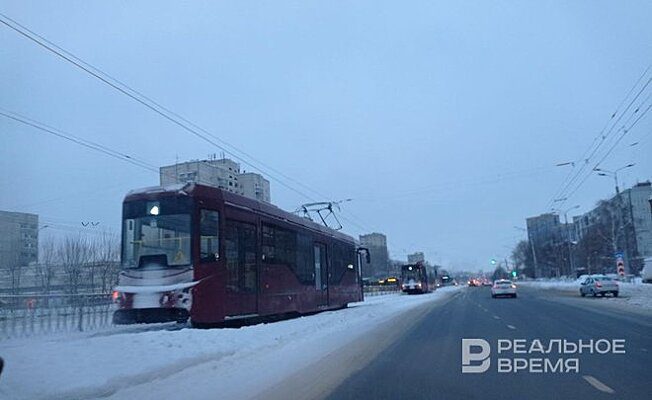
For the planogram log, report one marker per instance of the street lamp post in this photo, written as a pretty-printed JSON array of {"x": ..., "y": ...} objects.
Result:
[
  {"x": 621, "y": 220},
  {"x": 614, "y": 174}
]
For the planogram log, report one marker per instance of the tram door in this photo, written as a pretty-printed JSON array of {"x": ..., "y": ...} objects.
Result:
[
  {"x": 321, "y": 273},
  {"x": 240, "y": 246}
]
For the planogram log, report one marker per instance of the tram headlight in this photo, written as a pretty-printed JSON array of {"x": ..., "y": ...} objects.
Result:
[
  {"x": 117, "y": 297},
  {"x": 153, "y": 208}
]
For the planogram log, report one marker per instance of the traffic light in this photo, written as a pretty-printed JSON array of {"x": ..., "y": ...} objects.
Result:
[
  {"x": 514, "y": 273},
  {"x": 493, "y": 261}
]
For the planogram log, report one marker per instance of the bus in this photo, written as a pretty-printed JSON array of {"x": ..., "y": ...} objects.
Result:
[{"x": 197, "y": 252}]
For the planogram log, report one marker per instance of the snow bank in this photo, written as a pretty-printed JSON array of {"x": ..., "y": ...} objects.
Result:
[
  {"x": 125, "y": 364},
  {"x": 631, "y": 293}
]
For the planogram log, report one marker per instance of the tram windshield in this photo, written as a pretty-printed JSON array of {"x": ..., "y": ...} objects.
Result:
[
  {"x": 411, "y": 272},
  {"x": 155, "y": 228}
]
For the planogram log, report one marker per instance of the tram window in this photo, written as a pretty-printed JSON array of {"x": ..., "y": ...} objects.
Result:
[
  {"x": 305, "y": 268},
  {"x": 240, "y": 252},
  {"x": 209, "y": 234},
  {"x": 279, "y": 246},
  {"x": 343, "y": 256}
]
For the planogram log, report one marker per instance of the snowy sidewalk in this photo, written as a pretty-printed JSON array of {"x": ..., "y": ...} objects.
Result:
[
  {"x": 631, "y": 294},
  {"x": 123, "y": 364}
]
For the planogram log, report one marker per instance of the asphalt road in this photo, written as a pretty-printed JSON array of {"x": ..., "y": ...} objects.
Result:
[{"x": 424, "y": 361}]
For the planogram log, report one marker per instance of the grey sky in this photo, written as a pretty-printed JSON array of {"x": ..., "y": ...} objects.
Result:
[{"x": 442, "y": 121}]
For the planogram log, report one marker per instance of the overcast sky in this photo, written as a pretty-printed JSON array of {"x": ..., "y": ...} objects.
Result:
[{"x": 442, "y": 121}]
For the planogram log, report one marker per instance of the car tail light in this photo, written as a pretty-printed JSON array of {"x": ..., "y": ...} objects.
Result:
[{"x": 598, "y": 284}]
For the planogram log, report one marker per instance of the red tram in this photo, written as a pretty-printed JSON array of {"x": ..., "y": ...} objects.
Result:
[
  {"x": 414, "y": 278},
  {"x": 198, "y": 252}
]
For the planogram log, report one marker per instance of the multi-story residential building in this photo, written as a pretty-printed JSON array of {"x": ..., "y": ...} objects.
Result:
[
  {"x": 18, "y": 239},
  {"x": 255, "y": 186},
  {"x": 416, "y": 257},
  {"x": 222, "y": 173},
  {"x": 377, "y": 244},
  {"x": 625, "y": 224},
  {"x": 547, "y": 235}
]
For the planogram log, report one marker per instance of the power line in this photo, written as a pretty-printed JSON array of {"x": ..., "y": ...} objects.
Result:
[
  {"x": 625, "y": 132},
  {"x": 163, "y": 111},
  {"x": 151, "y": 104},
  {"x": 166, "y": 113},
  {"x": 599, "y": 139},
  {"x": 79, "y": 141}
]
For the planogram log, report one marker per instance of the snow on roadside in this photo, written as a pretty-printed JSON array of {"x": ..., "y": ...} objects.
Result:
[
  {"x": 635, "y": 294},
  {"x": 94, "y": 366}
]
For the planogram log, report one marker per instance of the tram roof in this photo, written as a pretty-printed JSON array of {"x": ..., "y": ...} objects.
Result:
[{"x": 234, "y": 200}]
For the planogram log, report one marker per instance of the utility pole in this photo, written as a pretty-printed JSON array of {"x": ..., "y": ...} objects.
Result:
[
  {"x": 619, "y": 205},
  {"x": 534, "y": 253},
  {"x": 568, "y": 237}
]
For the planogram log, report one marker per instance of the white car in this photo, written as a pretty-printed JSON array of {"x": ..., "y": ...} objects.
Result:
[
  {"x": 599, "y": 285},
  {"x": 646, "y": 273},
  {"x": 503, "y": 287}
]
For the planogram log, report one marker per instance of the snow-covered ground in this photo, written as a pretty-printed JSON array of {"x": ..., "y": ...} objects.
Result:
[
  {"x": 633, "y": 294},
  {"x": 191, "y": 363}
]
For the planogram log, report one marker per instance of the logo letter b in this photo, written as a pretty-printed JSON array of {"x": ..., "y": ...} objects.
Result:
[{"x": 468, "y": 356}]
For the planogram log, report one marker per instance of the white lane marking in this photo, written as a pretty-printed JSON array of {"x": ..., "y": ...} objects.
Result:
[
  {"x": 598, "y": 385},
  {"x": 511, "y": 326},
  {"x": 496, "y": 317},
  {"x": 643, "y": 349}
]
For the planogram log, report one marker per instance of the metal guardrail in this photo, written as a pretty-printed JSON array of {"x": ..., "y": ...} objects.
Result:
[
  {"x": 25, "y": 315},
  {"x": 380, "y": 290}
]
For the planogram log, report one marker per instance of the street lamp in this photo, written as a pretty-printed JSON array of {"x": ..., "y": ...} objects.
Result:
[{"x": 614, "y": 174}]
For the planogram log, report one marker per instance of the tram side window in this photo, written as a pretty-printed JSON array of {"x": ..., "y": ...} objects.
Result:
[
  {"x": 305, "y": 263},
  {"x": 240, "y": 252},
  {"x": 286, "y": 247},
  {"x": 343, "y": 256},
  {"x": 209, "y": 233}
]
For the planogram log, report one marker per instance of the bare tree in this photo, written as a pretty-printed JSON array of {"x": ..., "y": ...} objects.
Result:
[
  {"x": 15, "y": 274},
  {"x": 74, "y": 252},
  {"x": 107, "y": 255},
  {"x": 523, "y": 259},
  {"x": 45, "y": 269}
]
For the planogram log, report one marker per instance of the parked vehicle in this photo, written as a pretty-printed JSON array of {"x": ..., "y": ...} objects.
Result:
[
  {"x": 646, "y": 273},
  {"x": 503, "y": 287},
  {"x": 595, "y": 285}
]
